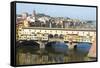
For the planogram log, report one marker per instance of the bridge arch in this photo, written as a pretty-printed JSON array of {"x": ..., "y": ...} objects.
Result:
[
  {"x": 56, "y": 47},
  {"x": 27, "y": 46}
]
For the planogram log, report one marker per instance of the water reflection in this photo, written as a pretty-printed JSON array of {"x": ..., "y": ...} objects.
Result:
[{"x": 51, "y": 54}]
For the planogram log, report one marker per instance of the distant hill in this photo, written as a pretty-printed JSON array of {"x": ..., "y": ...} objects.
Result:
[{"x": 41, "y": 15}]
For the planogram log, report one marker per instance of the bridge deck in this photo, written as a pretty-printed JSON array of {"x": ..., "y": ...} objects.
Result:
[{"x": 69, "y": 29}]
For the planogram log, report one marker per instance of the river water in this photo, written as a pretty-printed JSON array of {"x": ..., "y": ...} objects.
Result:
[{"x": 42, "y": 56}]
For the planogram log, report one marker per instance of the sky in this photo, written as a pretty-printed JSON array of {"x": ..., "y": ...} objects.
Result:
[{"x": 74, "y": 12}]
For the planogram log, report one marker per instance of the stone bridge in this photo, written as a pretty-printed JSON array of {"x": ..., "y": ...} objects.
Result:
[{"x": 45, "y": 35}]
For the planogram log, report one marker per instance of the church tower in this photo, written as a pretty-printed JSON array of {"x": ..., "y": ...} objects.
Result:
[{"x": 34, "y": 15}]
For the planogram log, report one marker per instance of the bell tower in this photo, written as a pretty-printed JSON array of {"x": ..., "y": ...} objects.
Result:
[{"x": 34, "y": 15}]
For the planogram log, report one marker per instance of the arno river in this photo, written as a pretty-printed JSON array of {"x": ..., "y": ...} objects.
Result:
[{"x": 27, "y": 55}]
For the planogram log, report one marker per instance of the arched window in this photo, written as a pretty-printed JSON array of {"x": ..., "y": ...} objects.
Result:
[
  {"x": 61, "y": 36},
  {"x": 50, "y": 36},
  {"x": 56, "y": 36}
]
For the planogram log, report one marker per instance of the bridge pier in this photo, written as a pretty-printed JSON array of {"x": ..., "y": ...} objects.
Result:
[
  {"x": 42, "y": 44},
  {"x": 71, "y": 45}
]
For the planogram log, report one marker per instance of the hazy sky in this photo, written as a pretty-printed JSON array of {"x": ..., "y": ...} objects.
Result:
[{"x": 83, "y": 13}]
